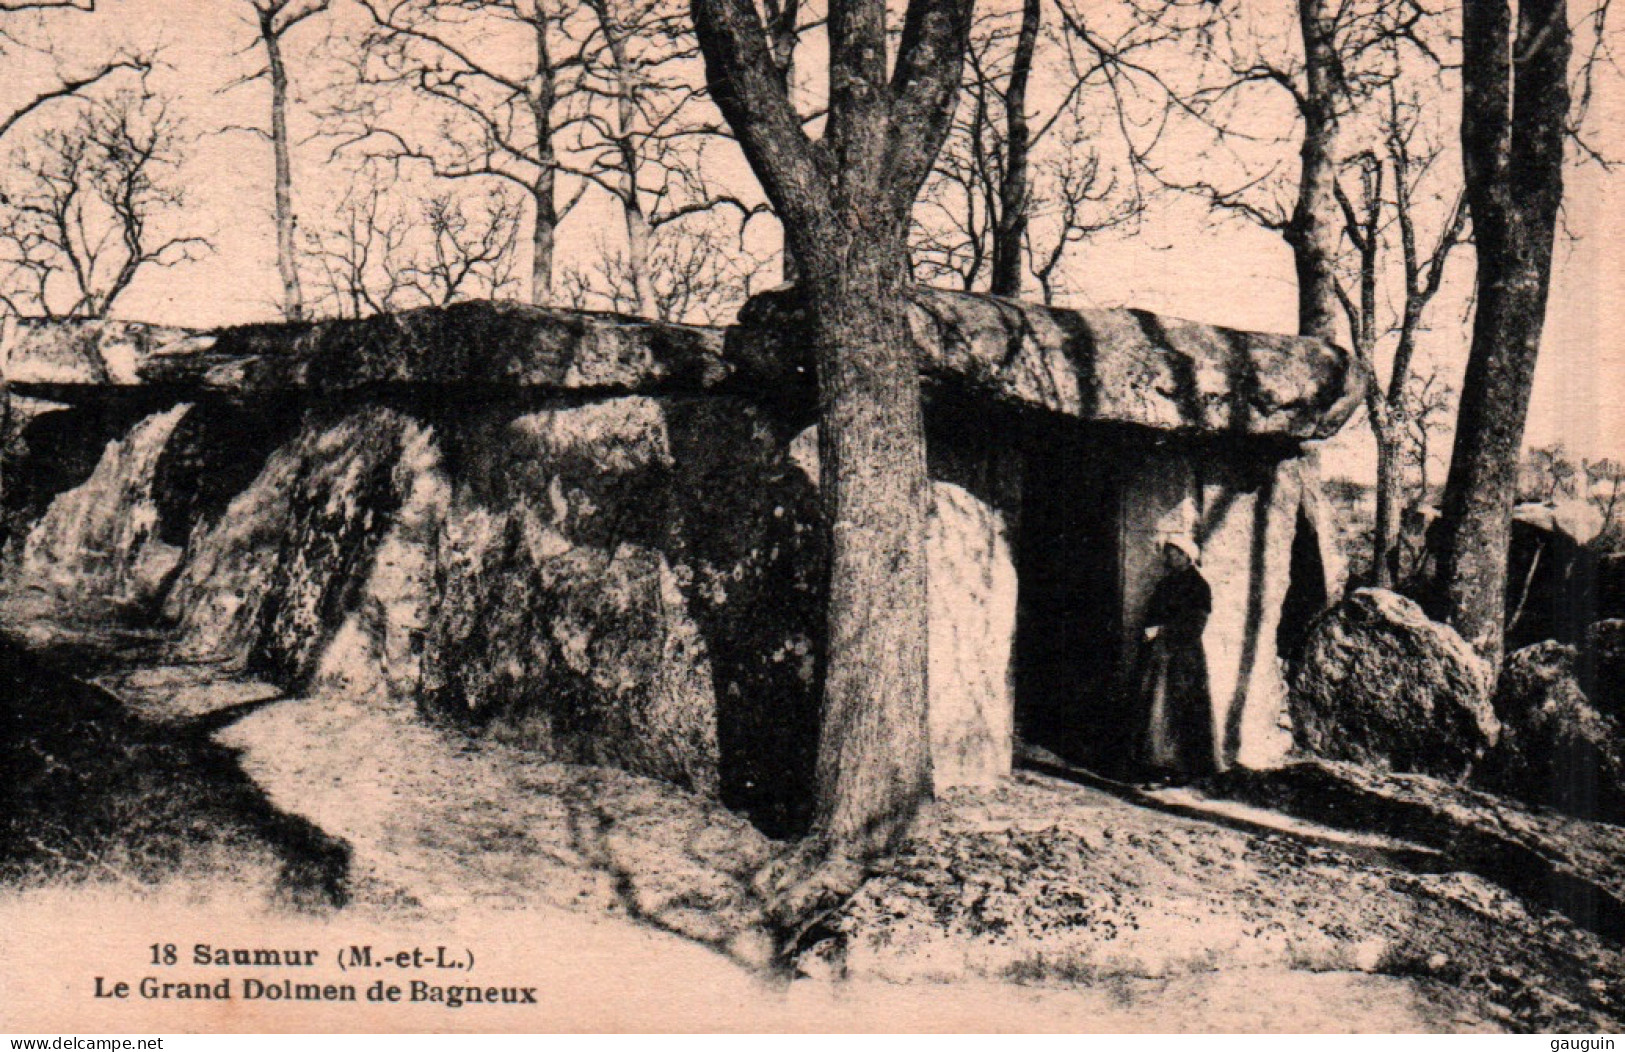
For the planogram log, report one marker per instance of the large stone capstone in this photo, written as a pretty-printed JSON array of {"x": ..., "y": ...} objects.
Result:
[
  {"x": 1381, "y": 684},
  {"x": 473, "y": 344},
  {"x": 1118, "y": 366}
]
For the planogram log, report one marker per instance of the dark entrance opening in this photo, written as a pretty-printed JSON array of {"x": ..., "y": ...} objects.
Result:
[
  {"x": 1066, "y": 623},
  {"x": 1305, "y": 592}
]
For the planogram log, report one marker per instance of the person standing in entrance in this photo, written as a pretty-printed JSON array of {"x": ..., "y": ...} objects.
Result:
[{"x": 1176, "y": 706}]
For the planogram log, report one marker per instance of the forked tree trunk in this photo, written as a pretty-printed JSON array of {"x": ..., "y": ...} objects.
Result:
[
  {"x": 845, "y": 204},
  {"x": 1513, "y": 123}
]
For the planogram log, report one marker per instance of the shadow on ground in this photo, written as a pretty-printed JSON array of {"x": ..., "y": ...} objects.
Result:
[{"x": 97, "y": 793}]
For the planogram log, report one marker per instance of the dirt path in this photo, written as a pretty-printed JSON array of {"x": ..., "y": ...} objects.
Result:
[
  {"x": 1039, "y": 905},
  {"x": 454, "y": 825}
]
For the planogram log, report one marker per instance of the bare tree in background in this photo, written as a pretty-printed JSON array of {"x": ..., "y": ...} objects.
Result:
[
  {"x": 1227, "y": 76},
  {"x": 639, "y": 126},
  {"x": 69, "y": 83},
  {"x": 1430, "y": 405},
  {"x": 468, "y": 247},
  {"x": 388, "y": 247},
  {"x": 1548, "y": 474},
  {"x": 356, "y": 254},
  {"x": 974, "y": 222},
  {"x": 1071, "y": 201},
  {"x": 1515, "y": 114},
  {"x": 488, "y": 117},
  {"x": 1605, "y": 485},
  {"x": 845, "y": 202},
  {"x": 84, "y": 204},
  {"x": 273, "y": 21},
  {"x": 1385, "y": 206},
  {"x": 699, "y": 272}
]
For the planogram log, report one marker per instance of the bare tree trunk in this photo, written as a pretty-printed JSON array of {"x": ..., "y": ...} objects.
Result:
[
  {"x": 626, "y": 115},
  {"x": 287, "y": 259},
  {"x": 873, "y": 760},
  {"x": 845, "y": 203},
  {"x": 543, "y": 231},
  {"x": 1313, "y": 229},
  {"x": 1385, "y": 532},
  {"x": 637, "y": 259},
  {"x": 784, "y": 33},
  {"x": 1010, "y": 234},
  {"x": 542, "y": 93},
  {"x": 1513, "y": 122}
]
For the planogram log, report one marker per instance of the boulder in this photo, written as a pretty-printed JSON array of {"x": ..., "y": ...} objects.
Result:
[
  {"x": 266, "y": 584},
  {"x": 1113, "y": 366},
  {"x": 630, "y": 582},
  {"x": 1555, "y": 748},
  {"x": 1381, "y": 684},
  {"x": 1578, "y": 520}
]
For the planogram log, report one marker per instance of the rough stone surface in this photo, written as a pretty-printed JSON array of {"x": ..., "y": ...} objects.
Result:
[
  {"x": 266, "y": 583},
  {"x": 101, "y": 540},
  {"x": 972, "y": 591},
  {"x": 1551, "y": 573},
  {"x": 1555, "y": 748},
  {"x": 593, "y": 534},
  {"x": 468, "y": 343},
  {"x": 971, "y": 584},
  {"x": 1118, "y": 366},
  {"x": 628, "y": 582},
  {"x": 1381, "y": 684},
  {"x": 475, "y": 343},
  {"x": 91, "y": 351}
]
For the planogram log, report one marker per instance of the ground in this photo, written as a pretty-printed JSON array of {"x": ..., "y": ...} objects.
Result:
[{"x": 1039, "y": 904}]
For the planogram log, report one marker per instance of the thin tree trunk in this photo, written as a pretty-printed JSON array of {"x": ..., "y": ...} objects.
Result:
[
  {"x": 1312, "y": 231},
  {"x": 626, "y": 115},
  {"x": 1010, "y": 233},
  {"x": 1385, "y": 532},
  {"x": 287, "y": 260},
  {"x": 637, "y": 259},
  {"x": 541, "y": 96},
  {"x": 784, "y": 33},
  {"x": 1513, "y": 120},
  {"x": 544, "y": 229}
]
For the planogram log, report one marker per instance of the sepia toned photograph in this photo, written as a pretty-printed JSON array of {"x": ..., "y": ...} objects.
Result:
[{"x": 1089, "y": 516}]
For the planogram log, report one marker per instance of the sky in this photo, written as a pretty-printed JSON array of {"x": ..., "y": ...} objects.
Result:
[{"x": 1183, "y": 261}]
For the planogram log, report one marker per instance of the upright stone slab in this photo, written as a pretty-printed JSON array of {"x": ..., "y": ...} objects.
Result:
[
  {"x": 1248, "y": 519},
  {"x": 972, "y": 594},
  {"x": 99, "y": 543}
]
